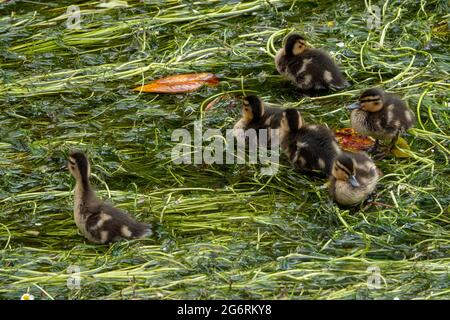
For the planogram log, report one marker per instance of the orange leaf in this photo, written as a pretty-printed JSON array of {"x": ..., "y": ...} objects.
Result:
[
  {"x": 349, "y": 140},
  {"x": 179, "y": 83}
]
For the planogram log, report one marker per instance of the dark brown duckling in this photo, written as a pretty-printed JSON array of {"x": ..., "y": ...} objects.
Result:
[
  {"x": 257, "y": 116},
  {"x": 382, "y": 116},
  {"x": 309, "y": 147},
  {"x": 353, "y": 178},
  {"x": 99, "y": 222},
  {"x": 308, "y": 68}
]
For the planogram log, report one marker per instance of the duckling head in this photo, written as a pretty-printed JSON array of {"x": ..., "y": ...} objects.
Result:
[
  {"x": 79, "y": 167},
  {"x": 291, "y": 120},
  {"x": 295, "y": 44},
  {"x": 253, "y": 108},
  {"x": 344, "y": 170},
  {"x": 370, "y": 100}
]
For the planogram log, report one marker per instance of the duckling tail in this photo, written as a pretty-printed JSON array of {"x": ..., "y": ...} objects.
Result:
[
  {"x": 340, "y": 86},
  {"x": 145, "y": 231}
]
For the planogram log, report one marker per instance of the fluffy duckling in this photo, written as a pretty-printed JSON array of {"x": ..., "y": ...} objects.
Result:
[
  {"x": 382, "y": 116},
  {"x": 308, "y": 68},
  {"x": 257, "y": 116},
  {"x": 308, "y": 147},
  {"x": 353, "y": 177},
  {"x": 99, "y": 222}
]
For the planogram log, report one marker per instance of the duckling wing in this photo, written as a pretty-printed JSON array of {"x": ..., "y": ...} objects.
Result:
[
  {"x": 270, "y": 120},
  {"x": 366, "y": 171},
  {"x": 317, "y": 147},
  {"x": 324, "y": 72},
  {"x": 332, "y": 76},
  {"x": 390, "y": 120},
  {"x": 110, "y": 224},
  {"x": 273, "y": 117},
  {"x": 399, "y": 113},
  {"x": 380, "y": 125},
  {"x": 300, "y": 70},
  {"x": 289, "y": 147}
]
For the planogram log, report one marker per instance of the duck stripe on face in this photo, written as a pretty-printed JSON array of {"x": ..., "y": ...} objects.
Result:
[
  {"x": 339, "y": 166},
  {"x": 370, "y": 99}
]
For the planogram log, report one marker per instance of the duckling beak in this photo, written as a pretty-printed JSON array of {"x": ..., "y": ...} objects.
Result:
[
  {"x": 353, "y": 106},
  {"x": 353, "y": 181}
]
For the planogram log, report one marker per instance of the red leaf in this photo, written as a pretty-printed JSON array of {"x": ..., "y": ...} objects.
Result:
[{"x": 349, "y": 140}]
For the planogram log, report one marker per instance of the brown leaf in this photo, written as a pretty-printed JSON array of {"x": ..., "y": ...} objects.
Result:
[
  {"x": 349, "y": 140},
  {"x": 179, "y": 83}
]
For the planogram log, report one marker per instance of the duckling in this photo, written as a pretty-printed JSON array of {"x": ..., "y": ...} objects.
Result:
[
  {"x": 308, "y": 68},
  {"x": 309, "y": 147},
  {"x": 353, "y": 177},
  {"x": 382, "y": 116},
  {"x": 257, "y": 116},
  {"x": 99, "y": 222}
]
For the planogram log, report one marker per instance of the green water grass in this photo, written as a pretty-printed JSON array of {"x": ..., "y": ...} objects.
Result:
[{"x": 221, "y": 231}]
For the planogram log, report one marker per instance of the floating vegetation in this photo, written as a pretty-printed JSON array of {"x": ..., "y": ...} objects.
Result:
[{"x": 222, "y": 231}]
